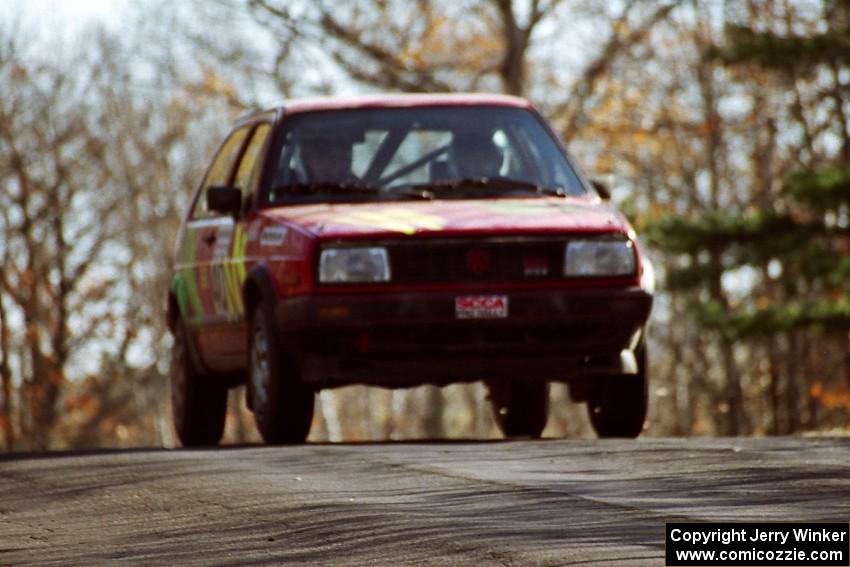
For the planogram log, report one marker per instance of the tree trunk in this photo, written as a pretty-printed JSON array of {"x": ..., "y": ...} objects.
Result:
[
  {"x": 512, "y": 69},
  {"x": 6, "y": 377},
  {"x": 775, "y": 393},
  {"x": 792, "y": 386},
  {"x": 733, "y": 392}
]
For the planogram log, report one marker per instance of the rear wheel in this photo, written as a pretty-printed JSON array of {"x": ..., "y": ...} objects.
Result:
[
  {"x": 198, "y": 402},
  {"x": 520, "y": 408},
  {"x": 618, "y": 407},
  {"x": 282, "y": 404}
]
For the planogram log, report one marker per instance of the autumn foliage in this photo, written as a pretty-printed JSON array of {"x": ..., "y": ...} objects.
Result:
[{"x": 723, "y": 127}]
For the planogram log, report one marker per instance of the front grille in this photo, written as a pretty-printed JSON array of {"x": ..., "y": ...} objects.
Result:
[
  {"x": 476, "y": 260},
  {"x": 495, "y": 338},
  {"x": 484, "y": 338}
]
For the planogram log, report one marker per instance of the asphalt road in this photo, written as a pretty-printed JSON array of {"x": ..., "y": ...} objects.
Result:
[{"x": 485, "y": 503}]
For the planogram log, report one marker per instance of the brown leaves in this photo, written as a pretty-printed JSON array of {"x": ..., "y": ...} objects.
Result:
[
  {"x": 83, "y": 403},
  {"x": 837, "y": 397}
]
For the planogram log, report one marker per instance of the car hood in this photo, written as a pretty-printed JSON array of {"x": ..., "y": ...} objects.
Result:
[{"x": 453, "y": 217}]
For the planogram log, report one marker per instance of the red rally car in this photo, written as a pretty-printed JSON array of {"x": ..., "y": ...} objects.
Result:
[{"x": 403, "y": 240}]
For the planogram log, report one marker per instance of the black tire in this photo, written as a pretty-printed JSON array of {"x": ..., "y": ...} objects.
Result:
[
  {"x": 520, "y": 408},
  {"x": 198, "y": 402},
  {"x": 618, "y": 407},
  {"x": 282, "y": 404}
]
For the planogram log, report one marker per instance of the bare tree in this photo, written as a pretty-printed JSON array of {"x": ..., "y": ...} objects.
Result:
[
  {"x": 57, "y": 220},
  {"x": 97, "y": 162},
  {"x": 425, "y": 46}
]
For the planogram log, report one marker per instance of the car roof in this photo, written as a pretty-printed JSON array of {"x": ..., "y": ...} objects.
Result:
[{"x": 401, "y": 101}]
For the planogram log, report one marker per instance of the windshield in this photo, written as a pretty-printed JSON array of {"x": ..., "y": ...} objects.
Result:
[{"x": 438, "y": 152}]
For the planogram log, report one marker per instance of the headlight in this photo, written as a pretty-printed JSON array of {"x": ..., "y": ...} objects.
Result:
[
  {"x": 599, "y": 258},
  {"x": 354, "y": 265}
]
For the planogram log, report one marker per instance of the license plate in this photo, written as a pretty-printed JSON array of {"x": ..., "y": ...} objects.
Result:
[{"x": 481, "y": 307}]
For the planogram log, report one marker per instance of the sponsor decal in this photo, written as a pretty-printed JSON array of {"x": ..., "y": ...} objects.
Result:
[
  {"x": 515, "y": 208},
  {"x": 234, "y": 275},
  {"x": 228, "y": 274},
  {"x": 224, "y": 236},
  {"x": 531, "y": 208},
  {"x": 203, "y": 279},
  {"x": 481, "y": 307},
  {"x": 578, "y": 209},
  {"x": 535, "y": 267},
  {"x": 406, "y": 221},
  {"x": 273, "y": 236},
  {"x": 253, "y": 232},
  {"x": 185, "y": 285}
]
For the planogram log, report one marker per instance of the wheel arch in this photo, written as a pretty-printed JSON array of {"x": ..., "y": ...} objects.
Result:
[
  {"x": 176, "y": 307},
  {"x": 172, "y": 311},
  {"x": 257, "y": 287}
]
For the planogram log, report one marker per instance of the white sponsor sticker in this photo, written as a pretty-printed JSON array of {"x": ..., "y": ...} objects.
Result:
[
  {"x": 253, "y": 232},
  {"x": 535, "y": 267},
  {"x": 481, "y": 307},
  {"x": 273, "y": 236},
  {"x": 222, "y": 241}
]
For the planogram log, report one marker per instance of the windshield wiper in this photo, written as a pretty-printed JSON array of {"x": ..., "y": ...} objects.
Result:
[
  {"x": 553, "y": 191},
  {"x": 331, "y": 187},
  {"x": 352, "y": 188},
  {"x": 485, "y": 183},
  {"x": 412, "y": 191}
]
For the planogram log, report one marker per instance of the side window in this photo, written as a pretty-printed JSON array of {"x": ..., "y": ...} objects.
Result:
[
  {"x": 542, "y": 161},
  {"x": 249, "y": 166},
  {"x": 219, "y": 172}
]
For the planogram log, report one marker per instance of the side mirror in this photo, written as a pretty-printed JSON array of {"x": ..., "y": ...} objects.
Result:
[
  {"x": 601, "y": 188},
  {"x": 226, "y": 200}
]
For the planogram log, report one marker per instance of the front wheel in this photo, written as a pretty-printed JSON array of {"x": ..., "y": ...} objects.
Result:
[
  {"x": 520, "y": 408},
  {"x": 618, "y": 406},
  {"x": 283, "y": 406},
  {"x": 198, "y": 402}
]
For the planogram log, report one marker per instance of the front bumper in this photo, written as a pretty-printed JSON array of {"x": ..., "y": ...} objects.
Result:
[{"x": 410, "y": 338}]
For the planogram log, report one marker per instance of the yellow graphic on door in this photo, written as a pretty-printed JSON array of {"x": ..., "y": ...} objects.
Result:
[{"x": 234, "y": 274}]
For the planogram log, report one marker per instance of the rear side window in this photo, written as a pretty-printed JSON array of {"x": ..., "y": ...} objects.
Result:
[
  {"x": 248, "y": 169},
  {"x": 220, "y": 170}
]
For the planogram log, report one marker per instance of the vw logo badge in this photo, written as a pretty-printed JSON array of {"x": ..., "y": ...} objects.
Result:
[{"x": 477, "y": 261}]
